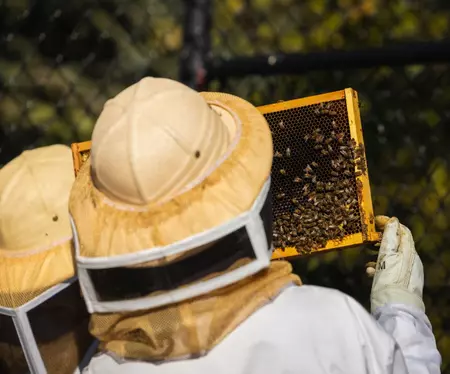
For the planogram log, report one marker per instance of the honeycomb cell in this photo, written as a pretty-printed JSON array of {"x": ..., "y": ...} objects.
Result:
[{"x": 313, "y": 177}]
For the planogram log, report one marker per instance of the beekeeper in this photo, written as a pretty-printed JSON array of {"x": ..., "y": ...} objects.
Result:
[
  {"x": 172, "y": 226},
  {"x": 43, "y": 319}
]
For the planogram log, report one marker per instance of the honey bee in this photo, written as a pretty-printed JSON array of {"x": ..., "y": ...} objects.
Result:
[
  {"x": 306, "y": 137},
  {"x": 295, "y": 201},
  {"x": 318, "y": 146},
  {"x": 328, "y": 141},
  {"x": 308, "y": 169},
  {"x": 339, "y": 218},
  {"x": 314, "y": 179},
  {"x": 281, "y": 125},
  {"x": 334, "y": 124},
  {"x": 281, "y": 196},
  {"x": 319, "y": 139},
  {"x": 317, "y": 112},
  {"x": 358, "y": 173},
  {"x": 343, "y": 152},
  {"x": 324, "y": 152},
  {"x": 330, "y": 148},
  {"x": 288, "y": 152},
  {"x": 332, "y": 113},
  {"x": 334, "y": 173},
  {"x": 278, "y": 154},
  {"x": 297, "y": 180},
  {"x": 347, "y": 173},
  {"x": 314, "y": 164},
  {"x": 282, "y": 172},
  {"x": 340, "y": 137}
]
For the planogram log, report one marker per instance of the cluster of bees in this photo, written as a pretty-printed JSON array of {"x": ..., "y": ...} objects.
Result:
[{"x": 326, "y": 208}]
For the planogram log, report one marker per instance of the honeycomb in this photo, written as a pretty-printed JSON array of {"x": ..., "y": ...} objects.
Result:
[{"x": 320, "y": 186}]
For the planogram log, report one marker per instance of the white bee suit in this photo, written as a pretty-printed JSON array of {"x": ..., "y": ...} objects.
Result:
[{"x": 309, "y": 330}]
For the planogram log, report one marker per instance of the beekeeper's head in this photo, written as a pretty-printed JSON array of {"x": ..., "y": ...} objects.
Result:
[
  {"x": 174, "y": 200},
  {"x": 37, "y": 266}
]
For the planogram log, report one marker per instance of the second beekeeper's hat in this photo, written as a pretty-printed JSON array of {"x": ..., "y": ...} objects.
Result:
[
  {"x": 35, "y": 233},
  {"x": 170, "y": 204}
]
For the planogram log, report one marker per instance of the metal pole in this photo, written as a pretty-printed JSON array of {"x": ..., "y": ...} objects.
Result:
[
  {"x": 395, "y": 55},
  {"x": 196, "y": 43}
]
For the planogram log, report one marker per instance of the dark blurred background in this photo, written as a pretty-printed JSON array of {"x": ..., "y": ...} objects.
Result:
[{"x": 60, "y": 60}]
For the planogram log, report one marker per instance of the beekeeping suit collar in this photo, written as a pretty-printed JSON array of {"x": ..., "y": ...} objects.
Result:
[
  {"x": 36, "y": 264},
  {"x": 172, "y": 207}
]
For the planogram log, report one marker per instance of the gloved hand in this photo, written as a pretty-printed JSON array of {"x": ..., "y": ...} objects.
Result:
[{"x": 398, "y": 274}]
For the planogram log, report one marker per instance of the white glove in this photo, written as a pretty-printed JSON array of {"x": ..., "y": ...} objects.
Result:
[{"x": 398, "y": 275}]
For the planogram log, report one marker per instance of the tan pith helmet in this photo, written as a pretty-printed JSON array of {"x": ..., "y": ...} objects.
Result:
[
  {"x": 167, "y": 163},
  {"x": 35, "y": 233}
]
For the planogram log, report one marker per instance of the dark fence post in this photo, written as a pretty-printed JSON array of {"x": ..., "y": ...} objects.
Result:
[{"x": 196, "y": 43}]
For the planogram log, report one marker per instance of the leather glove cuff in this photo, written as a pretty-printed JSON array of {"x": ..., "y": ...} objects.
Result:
[{"x": 395, "y": 295}]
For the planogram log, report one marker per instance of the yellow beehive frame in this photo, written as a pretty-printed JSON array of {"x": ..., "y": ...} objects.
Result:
[
  {"x": 365, "y": 199},
  {"x": 81, "y": 151}
]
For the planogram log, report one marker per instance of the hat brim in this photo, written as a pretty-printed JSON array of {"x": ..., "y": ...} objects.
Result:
[
  {"x": 24, "y": 277},
  {"x": 109, "y": 228}
]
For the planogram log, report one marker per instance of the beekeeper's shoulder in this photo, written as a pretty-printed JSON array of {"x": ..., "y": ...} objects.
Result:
[{"x": 316, "y": 300}]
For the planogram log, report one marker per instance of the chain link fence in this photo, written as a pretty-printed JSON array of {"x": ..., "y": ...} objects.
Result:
[{"x": 60, "y": 61}]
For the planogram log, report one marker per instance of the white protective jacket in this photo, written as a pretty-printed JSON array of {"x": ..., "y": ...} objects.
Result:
[{"x": 309, "y": 330}]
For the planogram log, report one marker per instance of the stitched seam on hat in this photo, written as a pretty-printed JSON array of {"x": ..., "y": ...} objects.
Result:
[
  {"x": 197, "y": 181},
  {"x": 31, "y": 252}
]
